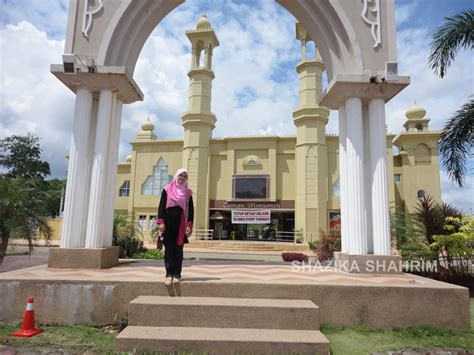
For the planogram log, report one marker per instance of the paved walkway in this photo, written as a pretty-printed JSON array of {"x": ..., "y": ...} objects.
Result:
[{"x": 222, "y": 271}]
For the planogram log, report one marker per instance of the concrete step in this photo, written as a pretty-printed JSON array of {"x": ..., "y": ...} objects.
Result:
[
  {"x": 223, "y": 312},
  {"x": 221, "y": 340}
]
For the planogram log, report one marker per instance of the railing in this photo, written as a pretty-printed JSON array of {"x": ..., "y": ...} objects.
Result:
[
  {"x": 203, "y": 234},
  {"x": 286, "y": 237}
]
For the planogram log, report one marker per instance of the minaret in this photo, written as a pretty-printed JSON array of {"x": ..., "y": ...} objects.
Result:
[
  {"x": 311, "y": 152},
  {"x": 417, "y": 163},
  {"x": 198, "y": 120}
]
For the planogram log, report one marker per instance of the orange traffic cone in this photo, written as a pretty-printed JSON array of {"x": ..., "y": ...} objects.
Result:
[{"x": 28, "y": 327}]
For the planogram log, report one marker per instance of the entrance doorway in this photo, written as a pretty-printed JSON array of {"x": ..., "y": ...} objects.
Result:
[{"x": 280, "y": 228}]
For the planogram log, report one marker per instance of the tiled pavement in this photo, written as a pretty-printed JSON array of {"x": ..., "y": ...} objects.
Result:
[{"x": 223, "y": 272}]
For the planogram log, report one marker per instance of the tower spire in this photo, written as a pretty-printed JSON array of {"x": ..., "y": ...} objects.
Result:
[{"x": 198, "y": 120}]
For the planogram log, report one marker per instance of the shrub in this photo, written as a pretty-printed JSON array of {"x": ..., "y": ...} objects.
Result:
[
  {"x": 328, "y": 243},
  {"x": 456, "y": 247},
  {"x": 430, "y": 218},
  {"x": 154, "y": 254},
  {"x": 127, "y": 235},
  {"x": 294, "y": 256}
]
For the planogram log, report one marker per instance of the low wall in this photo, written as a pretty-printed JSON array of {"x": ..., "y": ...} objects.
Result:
[{"x": 99, "y": 303}]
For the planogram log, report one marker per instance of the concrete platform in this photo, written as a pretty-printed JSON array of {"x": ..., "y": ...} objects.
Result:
[
  {"x": 222, "y": 341},
  {"x": 99, "y": 297}
]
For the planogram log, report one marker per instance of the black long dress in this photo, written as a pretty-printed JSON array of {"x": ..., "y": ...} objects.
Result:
[{"x": 174, "y": 236}]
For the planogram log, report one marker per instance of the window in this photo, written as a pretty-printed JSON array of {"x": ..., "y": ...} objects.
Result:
[
  {"x": 155, "y": 183},
  {"x": 421, "y": 194},
  {"x": 125, "y": 189},
  {"x": 397, "y": 177},
  {"x": 152, "y": 222},
  {"x": 142, "y": 222},
  {"x": 336, "y": 188},
  {"x": 251, "y": 187}
]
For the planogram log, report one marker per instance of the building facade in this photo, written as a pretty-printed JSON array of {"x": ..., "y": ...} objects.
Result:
[{"x": 266, "y": 187}]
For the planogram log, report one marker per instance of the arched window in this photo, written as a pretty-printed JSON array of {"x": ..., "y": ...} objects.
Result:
[
  {"x": 125, "y": 189},
  {"x": 310, "y": 50},
  {"x": 336, "y": 188},
  {"x": 419, "y": 127},
  {"x": 422, "y": 151},
  {"x": 421, "y": 194},
  {"x": 154, "y": 184}
]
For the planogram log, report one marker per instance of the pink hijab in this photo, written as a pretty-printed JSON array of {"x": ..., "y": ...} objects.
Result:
[{"x": 178, "y": 195}]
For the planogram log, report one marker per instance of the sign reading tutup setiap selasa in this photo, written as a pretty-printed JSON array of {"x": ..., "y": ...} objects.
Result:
[{"x": 251, "y": 217}]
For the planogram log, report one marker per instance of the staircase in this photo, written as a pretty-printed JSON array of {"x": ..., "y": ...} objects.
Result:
[
  {"x": 246, "y": 245},
  {"x": 222, "y": 326}
]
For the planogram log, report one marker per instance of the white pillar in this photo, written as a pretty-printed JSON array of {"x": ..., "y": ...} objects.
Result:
[
  {"x": 378, "y": 169},
  {"x": 367, "y": 179},
  {"x": 90, "y": 161},
  {"x": 96, "y": 217},
  {"x": 357, "y": 227},
  {"x": 111, "y": 192},
  {"x": 343, "y": 180},
  {"x": 77, "y": 186}
]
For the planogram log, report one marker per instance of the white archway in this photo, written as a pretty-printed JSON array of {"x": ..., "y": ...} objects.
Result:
[{"x": 357, "y": 42}]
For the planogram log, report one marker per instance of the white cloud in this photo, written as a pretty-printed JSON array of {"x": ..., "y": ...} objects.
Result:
[
  {"x": 405, "y": 12},
  {"x": 49, "y": 16},
  {"x": 32, "y": 99}
]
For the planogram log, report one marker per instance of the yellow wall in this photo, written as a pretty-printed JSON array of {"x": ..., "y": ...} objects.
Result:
[{"x": 276, "y": 157}]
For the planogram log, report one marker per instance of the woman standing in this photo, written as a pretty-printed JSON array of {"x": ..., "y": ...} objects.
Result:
[{"x": 175, "y": 219}]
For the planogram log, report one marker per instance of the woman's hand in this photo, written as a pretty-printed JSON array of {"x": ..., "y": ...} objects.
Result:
[
  {"x": 161, "y": 228},
  {"x": 189, "y": 231}
]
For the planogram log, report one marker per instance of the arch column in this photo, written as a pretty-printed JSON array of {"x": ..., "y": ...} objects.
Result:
[
  {"x": 378, "y": 173},
  {"x": 99, "y": 204},
  {"x": 343, "y": 182},
  {"x": 74, "y": 221},
  {"x": 355, "y": 193}
]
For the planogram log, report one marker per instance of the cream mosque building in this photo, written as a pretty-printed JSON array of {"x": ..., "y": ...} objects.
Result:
[{"x": 265, "y": 187}]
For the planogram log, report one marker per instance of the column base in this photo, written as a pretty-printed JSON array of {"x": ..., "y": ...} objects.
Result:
[
  {"x": 82, "y": 258},
  {"x": 368, "y": 264}
]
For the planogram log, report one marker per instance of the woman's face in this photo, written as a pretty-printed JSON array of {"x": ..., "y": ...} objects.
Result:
[{"x": 182, "y": 178}]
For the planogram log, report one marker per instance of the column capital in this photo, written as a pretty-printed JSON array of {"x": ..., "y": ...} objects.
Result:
[
  {"x": 343, "y": 87},
  {"x": 112, "y": 78}
]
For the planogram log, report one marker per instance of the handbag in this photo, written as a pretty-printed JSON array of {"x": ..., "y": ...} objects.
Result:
[{"x": 160, "y": 242}]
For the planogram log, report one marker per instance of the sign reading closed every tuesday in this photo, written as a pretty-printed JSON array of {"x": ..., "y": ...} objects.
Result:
[{"x": 251, "y": 217}]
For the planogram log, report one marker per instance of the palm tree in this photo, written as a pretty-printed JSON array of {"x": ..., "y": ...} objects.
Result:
[{"x": 457, "y": 139}]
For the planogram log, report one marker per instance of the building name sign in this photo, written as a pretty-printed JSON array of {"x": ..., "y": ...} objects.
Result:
[
  {"x": 251, "y": 217},
  {"x": 250, "y": 205}
]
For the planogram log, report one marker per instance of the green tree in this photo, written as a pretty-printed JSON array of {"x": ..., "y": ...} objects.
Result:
[
  {"x": 457, "y": 138},
  {"x": 55, "y": 189},
  {"x": 23, "y": 191}
]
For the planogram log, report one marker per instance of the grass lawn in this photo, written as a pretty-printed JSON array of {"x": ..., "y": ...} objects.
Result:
[
  {"x": 351, "y": 340},
  {"x": 77, "y": 338}
]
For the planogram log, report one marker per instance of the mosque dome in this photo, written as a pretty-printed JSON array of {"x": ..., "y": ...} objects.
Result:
[
  {"x": 415, "y": 112},
  {"x": 203, "y": 23},
  {"x": 148, "y": 126},
  {"x": 128, "y": 159}
]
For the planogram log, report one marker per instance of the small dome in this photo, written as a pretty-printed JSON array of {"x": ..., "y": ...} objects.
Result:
[
  {"x": 415, "y": 112},
  {"x": 128, "y": 159},
  {"x": 203, "y": 23},
  {"x": 147, "y": 126}
]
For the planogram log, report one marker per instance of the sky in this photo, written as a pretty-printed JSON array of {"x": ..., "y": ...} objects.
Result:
[{"x": 256, "y": 85}]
